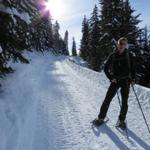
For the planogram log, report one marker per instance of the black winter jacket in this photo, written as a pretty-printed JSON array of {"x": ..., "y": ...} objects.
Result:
[{"x": 120, "y": 66}]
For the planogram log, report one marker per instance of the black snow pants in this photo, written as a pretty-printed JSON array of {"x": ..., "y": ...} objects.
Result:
[{"x": 125, "y": 87}]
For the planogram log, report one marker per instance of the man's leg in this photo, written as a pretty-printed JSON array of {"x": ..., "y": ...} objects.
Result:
[
  {"x": 109, "y": 96},
  {"x": 125, "y": 88}
]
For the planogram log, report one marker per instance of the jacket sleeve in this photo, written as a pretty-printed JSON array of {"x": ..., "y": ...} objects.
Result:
[
  {"x": 107, "y": 68},
  {"x": 133, "y": 70}
]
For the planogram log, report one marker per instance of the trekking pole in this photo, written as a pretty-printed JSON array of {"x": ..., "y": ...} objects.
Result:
[{"x": 141, "y": 109}]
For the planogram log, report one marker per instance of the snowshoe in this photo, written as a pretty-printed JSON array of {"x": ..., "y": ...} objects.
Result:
[
  {"x": 98, "y": 122},
  {"x": 121, "y": 124}
]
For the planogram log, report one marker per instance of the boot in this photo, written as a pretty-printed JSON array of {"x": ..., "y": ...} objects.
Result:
[
  {"x": 121, "y": 124},
  {"x": 98, "y": 122}
]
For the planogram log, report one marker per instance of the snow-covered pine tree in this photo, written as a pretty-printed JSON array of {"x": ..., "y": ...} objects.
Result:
[
  {"x": 22, "y": 28},
  {"x": 149, "y": 36},
  {"x": 60, "y": 46},
  {"x": 42, "y": 34},
  {"x": 74, "y": 50},
  {"x": 94, "y": 31},
  {"x": 107, "y": 22},
  {"x": 117, "y": 20},
  {"x": 84, "y": 47},
  {"x": 59, "y": 43},
  {"x": 66, "y": 39},
  {"x": 144, "y": 41},
  {"x": 56, "y": 35},
  {"x": 143, "y": 59},
  {"x": 129, "y": 25},
  {"x": 14, "y": 28},
  {"x": 63, "y": 47},
  {"x": 148, "y": 59}
]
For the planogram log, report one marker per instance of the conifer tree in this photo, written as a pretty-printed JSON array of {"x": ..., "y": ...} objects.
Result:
[
  {"x": 60, "y": 45},
  {"x": 84, "y": 47},
  {"x": 42, "y": 34},
  {"x": 108, "y": 25},
  {"x": 63, "y": 49},
  {"x": 74, "y": 50},
  {"x": 145, "y": 41},
  {"x": 22, "y": 28},
  {"x": 143, "y": 60},
  {"x": 129, "y": 25},
  {"x": 15, "y": 31},
  {"x": 56, "y": 28},
  {"x": 117, "y": 20},
  {"x": 94, "y": 51},
  {"x": 66, "y": 39}
]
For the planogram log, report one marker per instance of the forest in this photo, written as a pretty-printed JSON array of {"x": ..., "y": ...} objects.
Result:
[{"x": 109, "y": 21}]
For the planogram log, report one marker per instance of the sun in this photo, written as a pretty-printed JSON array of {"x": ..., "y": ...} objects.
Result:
[{"x": 56, "y": 8}]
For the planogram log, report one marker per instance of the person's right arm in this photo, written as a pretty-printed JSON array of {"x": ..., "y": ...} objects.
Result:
[{"x": 107, "y": 68}]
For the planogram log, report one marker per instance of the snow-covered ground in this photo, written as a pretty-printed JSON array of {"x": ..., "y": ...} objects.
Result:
[
  {"x": 77, "y": 60},
  {"x": 49, "y": 104}
]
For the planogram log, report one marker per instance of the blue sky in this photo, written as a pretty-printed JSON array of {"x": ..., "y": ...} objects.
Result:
[{"x": 71, "y": 19}]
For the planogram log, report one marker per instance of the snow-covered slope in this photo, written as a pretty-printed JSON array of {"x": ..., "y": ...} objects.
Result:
[
  {"x": 78, "y": 60},
  {"x": 49, "y": 104}
]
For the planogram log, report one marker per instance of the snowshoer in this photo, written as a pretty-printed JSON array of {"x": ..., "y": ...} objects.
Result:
[{"x": 119, "y": 69}]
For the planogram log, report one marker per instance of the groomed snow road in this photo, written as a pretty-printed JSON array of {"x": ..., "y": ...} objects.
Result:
[{"x": 49, "y": 104}]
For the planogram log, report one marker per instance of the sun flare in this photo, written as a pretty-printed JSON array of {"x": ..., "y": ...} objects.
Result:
[{"x": 55, "y": 7}]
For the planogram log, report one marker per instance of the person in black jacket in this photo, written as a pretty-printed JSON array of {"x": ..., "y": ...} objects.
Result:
[{"x": 119, "y": 69}]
